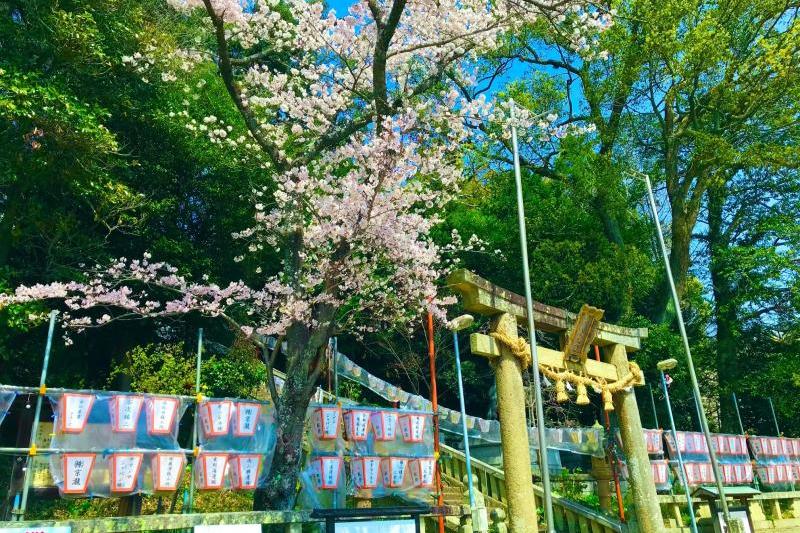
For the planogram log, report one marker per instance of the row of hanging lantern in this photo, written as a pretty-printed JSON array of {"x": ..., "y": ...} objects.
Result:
[
  {"x": 384, "y": 424},
  {"x": 372, "y": 472}
]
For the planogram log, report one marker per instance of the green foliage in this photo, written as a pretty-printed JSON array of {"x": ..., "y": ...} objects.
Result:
[{"x": 169, "y": 369}]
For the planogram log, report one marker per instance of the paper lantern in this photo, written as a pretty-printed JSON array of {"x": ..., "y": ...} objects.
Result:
[
  {"x": 161, "y": 415},
  {"x": 728, "y": 474},
  {"x": 326, "y": 422},
  {"x": 77, "y": 471},
  {"x": 365, "y": 472},
  {"x": 394, "y": 471},
  {"x": 652, "y": 438},
  {"x": 75, "y": 409},
  {"x": 167, "y": 469},
  {"x": 124, "y": 413},
  {"x": 423, "y": 472},
  {"x": 660, "y": 471},
  {"x": 246, "y": 419},
  {"x": 412, "y": 427},
  {"x": 211, "y": 468},
  {"x": 356, "y": 424},
  {"x": 215, "y": 417},
  {"x": 384, "y": 423},
  {"x": 774, "y": 447},
  {"x": 244, "y": 471},
  {"x": 326, "y": 471},
  {"x": 125, "y": 471}
]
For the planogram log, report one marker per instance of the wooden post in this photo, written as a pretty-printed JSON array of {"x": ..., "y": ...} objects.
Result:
[
  {"x": 601, "y": 471},
  {"x": 513, "y": 434},
  {"x": 640, "y": 476}
]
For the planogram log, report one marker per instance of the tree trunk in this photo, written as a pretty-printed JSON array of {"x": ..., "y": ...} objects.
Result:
[
  {"x": 302, "y": 369},
  {"x": 724, "y": 308},
  {"x": 681, "y": 225}
]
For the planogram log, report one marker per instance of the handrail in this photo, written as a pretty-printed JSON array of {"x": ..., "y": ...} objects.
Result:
[{"x": 491, "y": 483}]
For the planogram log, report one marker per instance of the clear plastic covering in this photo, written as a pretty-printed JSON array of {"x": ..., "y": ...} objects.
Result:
[
  {"x": 237, "y": 439},
  {"x": 121, "y": 473},
  {"x": 730, "y": 448},
  {"x": 240, "y": 425},
  {"x": 777, "y": 476},
  {"x": 586, "y": 441},
  {"x": 698, "y": 473},
  {"x": 99, "y": 421},
  {"x": 6, "y": 399},
  {"x": 367, "y": 452},
  {"x": 740, "y": 473},
  {"x": 692, "y": 445},
  {"x": 771, "y": 450}
]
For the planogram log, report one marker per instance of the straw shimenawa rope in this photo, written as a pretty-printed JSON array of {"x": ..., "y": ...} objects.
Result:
[{"x": 522, "y": 350}]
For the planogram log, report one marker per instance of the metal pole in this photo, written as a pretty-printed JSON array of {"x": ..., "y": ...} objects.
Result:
[
  {"x": 681, "y": 471},
  {"x": 774, "y": 418},
  {"x": 435, "y": 408},
  {"x": 36, "y": 415},
  {"x": 653, "y": 405},
  {"x": 695, "y": 387},
  {"x": 738, "y": 415},
  {"x": 537, "y": 385},
  {"x": 336, "y": 368},
  {"x": 464, "y": 420},
  {"x": 198, "y": 365}
]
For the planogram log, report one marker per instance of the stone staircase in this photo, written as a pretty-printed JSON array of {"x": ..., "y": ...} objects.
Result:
[{"x": 489, "y": 484}]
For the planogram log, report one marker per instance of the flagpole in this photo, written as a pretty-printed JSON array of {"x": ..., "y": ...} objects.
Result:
[
  {"x": 734, "y": 524},
  {"x": 537, "y": 385}
]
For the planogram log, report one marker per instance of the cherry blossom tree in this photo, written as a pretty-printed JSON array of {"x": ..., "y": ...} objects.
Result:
[{"x": 359, "y": 119}]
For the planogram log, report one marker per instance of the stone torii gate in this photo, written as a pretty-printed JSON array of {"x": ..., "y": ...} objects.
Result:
[{"x": 508, "y": 310}]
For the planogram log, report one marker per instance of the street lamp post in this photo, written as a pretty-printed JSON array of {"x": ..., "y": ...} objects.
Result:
[
  {"x": 480, "y": 521},
  {"x": 668, "y": 364}
]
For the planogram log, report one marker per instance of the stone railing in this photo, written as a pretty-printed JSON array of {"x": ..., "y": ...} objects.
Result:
[
  {"x": 769, "y": 511},
  {"x": 569, "y": 516}
]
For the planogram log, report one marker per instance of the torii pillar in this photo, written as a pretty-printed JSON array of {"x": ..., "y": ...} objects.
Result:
[{"x": 508, "y": 309}]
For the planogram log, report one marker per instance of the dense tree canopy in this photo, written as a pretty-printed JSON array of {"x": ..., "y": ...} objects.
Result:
[{"x": 129, "y": 127}]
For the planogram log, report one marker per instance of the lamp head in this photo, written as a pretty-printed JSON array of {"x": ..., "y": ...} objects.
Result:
[
  {"x": 667, "y": 364},
  {"x": 461, "y": 322}
]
